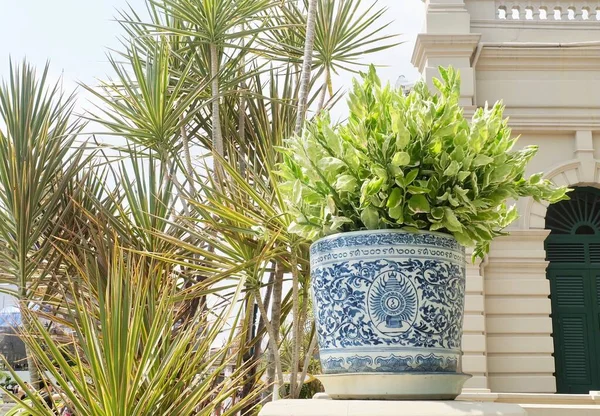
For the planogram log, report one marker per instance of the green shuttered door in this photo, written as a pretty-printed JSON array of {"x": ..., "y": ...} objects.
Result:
[{"x": 573, "y": 249}]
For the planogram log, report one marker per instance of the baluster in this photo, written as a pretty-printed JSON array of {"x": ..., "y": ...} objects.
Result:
[
  {"x": 565, "y": 13},
  {"x": 535, "y": 11},
  {"x": 501, "y": 11},
  {"x": 528, "y": 12},
  {"x": 574, "y": 13},
  {"x": 585, "y": 13},
  {"x": 557, "y": 13},
  {"x": 515, "y": 12}
]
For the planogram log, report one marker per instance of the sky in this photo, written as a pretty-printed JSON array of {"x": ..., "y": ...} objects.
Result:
[{"x": 75, "y": 35}]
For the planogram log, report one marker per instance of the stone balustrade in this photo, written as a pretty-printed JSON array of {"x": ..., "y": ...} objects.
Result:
[{"x": 568, "y": 11}]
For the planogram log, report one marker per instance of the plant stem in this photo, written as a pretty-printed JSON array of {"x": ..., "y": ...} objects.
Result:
[
  {"x": 273, "y": 345},
  {"x": 309, "y": 45},
  {"x": 188, "y": 161},
  {"x": 307, "y": 357},
  {"x": 217, "y": 135},
  {"x": 324, "y": 88},
  {"x": 296, "y": 339}
]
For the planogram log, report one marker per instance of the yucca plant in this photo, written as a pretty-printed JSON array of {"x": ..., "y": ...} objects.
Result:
[
  {"x": 37, "y": 133},
  {"x": 192, "y": 91},
  {"x": 123, "y": 349}
]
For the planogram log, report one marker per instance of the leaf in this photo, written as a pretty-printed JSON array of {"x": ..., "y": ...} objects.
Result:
[
  {"x": 451, "y": 222},
  {"x": 536, "y": 178},
  {"x": 397, "y": 213},
  {"x": 330, "y": 165},
  {"x": 370, "y": 218},
  {"x": 411, "y": 176},
  {"x": 463, "y": 174},
  {"x": 482, "y": 160},
  {"x": 437, "y": 213},
  {"x": 452, "y": 169},
  {"x": 482, "y": 232},
  {"x": 510, "y": 216},
  {"x": 401, "y": 159},
  {"x": 458, "y": 154},
  {"x": 333, "y": 140},
  {"x": 374, "y": 186},
  {"x": 461, "y": 138},
  {"x": 380, "y": 171},
  {"x": 418, "y": 204},
  {"x": 338, "y": 222},
  {"x": 402, "y": 133},
  {"x": 297, "y": 192},
  {"x": 345, "y": 183},
  {"x": 463, "y": 239},
  {"x": 331, "y": 206},
  {"x": 395, "y": 198},
  {"x": 416, "y": 190}
]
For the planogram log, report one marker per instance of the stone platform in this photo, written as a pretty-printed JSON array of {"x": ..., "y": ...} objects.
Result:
[{"x": 319, "y": 407}]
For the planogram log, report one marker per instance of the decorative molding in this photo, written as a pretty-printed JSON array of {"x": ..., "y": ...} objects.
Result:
[
  {"x": 551, "y": 58},
  {"x": 549, "y": 119},
  {"x": 458, "y": 7},
  {"x": 442, "y": 45},
  {"x": 575, "y": 172},
  {"x": 535, "y": 24}
]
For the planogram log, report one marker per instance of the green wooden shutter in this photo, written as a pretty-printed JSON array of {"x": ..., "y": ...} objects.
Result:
[
  {"x": 572, "y": 330},
  {"x": 573, "y": 249}
]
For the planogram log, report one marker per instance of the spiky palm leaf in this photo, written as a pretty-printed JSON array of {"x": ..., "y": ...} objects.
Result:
[
  {"x": 37, "y": 162},
  {"x": 123, "y": 350}
]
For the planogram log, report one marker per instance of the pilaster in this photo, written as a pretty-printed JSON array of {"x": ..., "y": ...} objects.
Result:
[
  {"x": 518, "y": 322},
  {"x": 474, "y": 335}
]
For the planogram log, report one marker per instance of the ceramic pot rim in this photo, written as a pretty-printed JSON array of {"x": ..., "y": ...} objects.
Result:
[{"x": 384, "y": 231}]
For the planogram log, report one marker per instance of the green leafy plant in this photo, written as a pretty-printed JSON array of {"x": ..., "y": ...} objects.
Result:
[
  {"x": 412, "y": 162},
  {"x": 123, "y": 342}
]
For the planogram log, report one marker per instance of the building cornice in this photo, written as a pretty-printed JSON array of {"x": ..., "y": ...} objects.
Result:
[
  {"x": 557, "y": 58},
  {"x": 549, "y": 119},
  {"x": 442, "y": 45},
  {"x": 535, "y": 24}
]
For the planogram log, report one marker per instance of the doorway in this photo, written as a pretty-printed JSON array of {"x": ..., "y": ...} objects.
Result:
[{"x": 573, "y": 250}]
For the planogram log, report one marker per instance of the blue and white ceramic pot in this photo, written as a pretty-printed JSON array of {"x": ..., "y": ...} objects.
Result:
[{"x": 389, "y": 310}]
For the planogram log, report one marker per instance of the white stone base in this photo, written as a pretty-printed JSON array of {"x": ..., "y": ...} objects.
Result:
[
  {"x": 393, "y": 386},
  {"x": 388, "y": 408}
]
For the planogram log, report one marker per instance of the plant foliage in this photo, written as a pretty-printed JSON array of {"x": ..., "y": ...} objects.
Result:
[
  {"x": 169, "y": 236},
  {"x": 411, "y": 162}
]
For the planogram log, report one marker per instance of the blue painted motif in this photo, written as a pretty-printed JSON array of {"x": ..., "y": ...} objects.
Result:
[
  {"x": 431, "y": 363},
  {"x": 388, "y": 288},
  {"x": 387, "y": 238},
  {"x": 392, "y": 303}
]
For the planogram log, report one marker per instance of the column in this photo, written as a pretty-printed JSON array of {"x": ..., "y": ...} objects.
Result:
[
  {"x": 447, "y": 40},
  {"x": 474, "y": 335},
  {"x": 517, "y": 307}
]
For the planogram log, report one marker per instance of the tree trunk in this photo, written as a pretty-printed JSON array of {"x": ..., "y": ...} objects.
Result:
[
  {"x": 273, "y": 346},
  {"x": 34, "y": 374},
  {"x": 309, "y": 45},
  {"x": 275, "y": 319},
  {"x": 307, "y": 357},
  {"x": 296, "y": 322},
  {"x": 324, "y": 88},
  {"x": 217, "y": 135},
  {"x": 188, "y": 162}
]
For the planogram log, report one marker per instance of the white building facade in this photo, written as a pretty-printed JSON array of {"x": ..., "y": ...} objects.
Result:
[{"x": 532, "y": 321}]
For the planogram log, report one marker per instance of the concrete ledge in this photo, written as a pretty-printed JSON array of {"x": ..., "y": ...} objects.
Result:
[
  {"x": 591, "y": 399},
  {"x": 388, "y": 408},
  {"x": 565, "y": 410}
]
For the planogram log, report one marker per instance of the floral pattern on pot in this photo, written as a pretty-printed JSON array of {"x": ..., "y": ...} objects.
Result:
[{"x": 388, "y": 301}]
